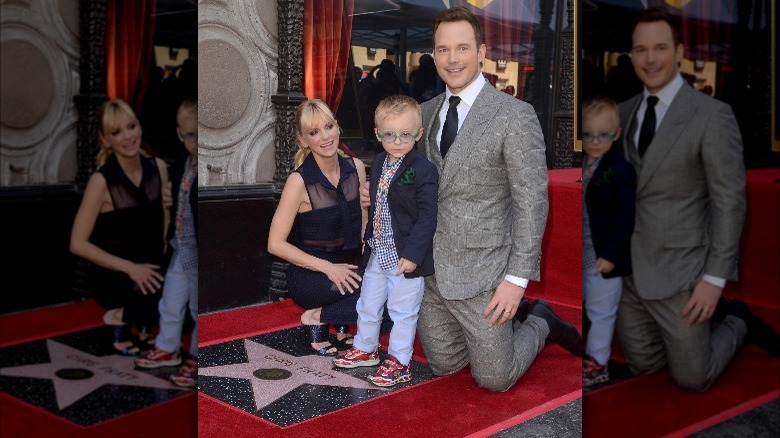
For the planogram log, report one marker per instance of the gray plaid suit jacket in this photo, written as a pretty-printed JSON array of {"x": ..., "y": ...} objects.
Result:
[
  {"x": 492, "y": 194},
  {"x": 690, "y": 195}
]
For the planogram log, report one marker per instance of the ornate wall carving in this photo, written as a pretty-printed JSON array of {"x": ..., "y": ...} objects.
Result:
[
  {"x": 39, "y": 47},
  {"x": 290, "y": 84},
  {"x": 563, "y": 113},
  {"x": 237, "y": 75}
]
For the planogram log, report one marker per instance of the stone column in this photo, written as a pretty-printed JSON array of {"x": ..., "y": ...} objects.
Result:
[
  {"x": 92, "y": 92},
  {"x": 563, "y": 86},
  {"x": 288, "y": 96}
]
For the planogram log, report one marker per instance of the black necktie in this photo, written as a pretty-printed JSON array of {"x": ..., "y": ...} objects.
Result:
[
  {"x": 647, "y": 131},
  {"x": 450, "y": 126}
]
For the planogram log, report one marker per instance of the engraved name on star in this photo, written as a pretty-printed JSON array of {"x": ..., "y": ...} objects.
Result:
[
  {"x": 76, "y": 373},
  {"x": 312, "y": 369}
]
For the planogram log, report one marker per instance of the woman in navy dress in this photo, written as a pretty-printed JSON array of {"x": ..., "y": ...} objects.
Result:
[
  {"x": 320, "y": 208},
  {"x": 120, "y": 226}
]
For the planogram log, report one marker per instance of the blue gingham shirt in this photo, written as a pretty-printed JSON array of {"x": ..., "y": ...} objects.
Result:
[{"x": 384, "y": 247}]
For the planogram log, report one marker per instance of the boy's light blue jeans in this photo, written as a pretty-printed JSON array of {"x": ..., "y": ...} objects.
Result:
[
  {"x": 403, "y": 297},
  {"x": 180, "y": 288}
]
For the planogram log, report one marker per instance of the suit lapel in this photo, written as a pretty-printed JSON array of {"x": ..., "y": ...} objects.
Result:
[
  {"x": 430, "y": 147},
  {"x": 469, "y": 134},
  {"x": 629, "y": 148},
  {"x": 672, "y": 126}
]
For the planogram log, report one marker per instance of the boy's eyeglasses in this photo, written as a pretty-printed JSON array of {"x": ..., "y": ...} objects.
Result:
[
  {"x": 589, "y": 137},
  {"x": 188, "y": 136},
  {"x": 405, "y": 137}
]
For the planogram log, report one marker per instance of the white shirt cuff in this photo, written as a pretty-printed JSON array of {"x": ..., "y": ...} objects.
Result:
[
  {"x": 517, "y": 281},
  {"x": 717, "y": 281}
]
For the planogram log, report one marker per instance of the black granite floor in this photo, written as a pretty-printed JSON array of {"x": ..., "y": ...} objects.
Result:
[
  {"x": 762, "y": 421},
  {"x": 276, "y": 377},
  {"x": 78, "y": 377},
  {"x": 562, "y": 422}
]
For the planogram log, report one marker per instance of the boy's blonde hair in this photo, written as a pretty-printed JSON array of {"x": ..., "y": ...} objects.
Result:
[
  {"x": 304, "y": 119},
  {"x": 598, "y": 104},
  {"x": 188, "y": 109},
  {"x": 396, "y": 105},
  {"x": 110, "y": 116}
]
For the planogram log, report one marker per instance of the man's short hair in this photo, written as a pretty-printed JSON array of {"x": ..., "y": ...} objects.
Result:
[
  {"x": 658, "y": 13},
  {"x": 455, "y": 14}
]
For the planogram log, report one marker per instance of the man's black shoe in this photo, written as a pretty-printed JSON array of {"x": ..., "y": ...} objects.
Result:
[
  {"x": 561, "y": 332},
  {"x": 759, "y": 332},
  {"x": 721, "y": 310},
  {"x": 523, "y": 309}
]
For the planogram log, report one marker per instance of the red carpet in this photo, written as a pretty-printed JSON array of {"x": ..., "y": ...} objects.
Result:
[
  {"x": 444, "y": 407},
  {"x": 759, "y": 268},
  {"x": 652, "y": 406},
  {"x": 451, "y": 406},
  {"x": 562, "y": 244},
  {"x": 175, "y": 417}
]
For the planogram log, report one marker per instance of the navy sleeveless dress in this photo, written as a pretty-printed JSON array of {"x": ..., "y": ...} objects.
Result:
[
  {"x": 330, "y": 231},
  {"x": 133, "y": 230}
]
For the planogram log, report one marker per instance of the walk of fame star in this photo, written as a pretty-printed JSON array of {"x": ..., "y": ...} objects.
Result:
[
  {"x": 76, "y": 373},
  {"x": 273, "y": 373}
]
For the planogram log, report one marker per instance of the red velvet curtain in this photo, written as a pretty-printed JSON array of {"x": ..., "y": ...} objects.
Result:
[
  {"x": 706, "y": 32},
  {"x": 129, "y": 45},
  {"x": 327, "y": 32},
  {"x": 507, "y": 28}
]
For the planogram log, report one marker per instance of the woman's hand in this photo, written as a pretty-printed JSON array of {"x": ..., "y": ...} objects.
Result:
[
  {"x": 146, "y": 277},
  {"x": 343, "y": 276}
]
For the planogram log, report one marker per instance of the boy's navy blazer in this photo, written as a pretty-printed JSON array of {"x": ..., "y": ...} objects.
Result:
[
  {"x": 413, "y": 210},
  {"x": 611, "y": 202},
  {"x": 177, "y": 173}
]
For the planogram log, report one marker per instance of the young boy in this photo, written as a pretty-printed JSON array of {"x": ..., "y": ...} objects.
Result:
[
  {"x": 609, "y": 186},
  {"x": 181, "y": 280},
  {"x": 399, "y": 242}
]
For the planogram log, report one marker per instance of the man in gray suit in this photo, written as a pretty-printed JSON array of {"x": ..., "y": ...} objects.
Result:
[
  {"x": 687, "y": 150},
  {"x": 489, "y": 149}
]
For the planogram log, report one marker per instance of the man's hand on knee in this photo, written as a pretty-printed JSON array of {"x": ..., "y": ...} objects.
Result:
[
  {"x": 503, "y": 306},
  {"x": 701, "y": 306}
]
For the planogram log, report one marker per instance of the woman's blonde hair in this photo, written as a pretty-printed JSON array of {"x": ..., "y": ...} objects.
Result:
[
  {"x": 304, "y": 119},
  {"x": 110, "y": 116}
]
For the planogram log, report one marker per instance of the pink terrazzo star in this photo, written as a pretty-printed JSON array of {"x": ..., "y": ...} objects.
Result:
[
  {"x": 94, "y": 372},
  {"x": 311, "y": 369}
]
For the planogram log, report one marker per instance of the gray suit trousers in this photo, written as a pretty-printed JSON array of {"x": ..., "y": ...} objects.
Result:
[
  {"x": 454, "y": 333},
  {"x": 652, "y": 333}
]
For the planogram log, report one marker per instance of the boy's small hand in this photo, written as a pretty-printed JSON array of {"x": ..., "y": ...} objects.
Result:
[
  {"x": 405, "y": 266},
  {"x": 167, "y": 195},
  {"x": 604, "y": 266}
]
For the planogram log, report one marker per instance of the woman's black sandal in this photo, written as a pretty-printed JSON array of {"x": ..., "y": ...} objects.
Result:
[
  {"x": 123, "y": 335},
  {"x": 316, "y": 333},
  {"x": 346, "y": 342},
  {"x": 148, "y": 342}
]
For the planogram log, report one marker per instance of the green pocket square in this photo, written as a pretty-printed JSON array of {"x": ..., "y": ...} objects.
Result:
[{"x": 407, "y": 177}]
